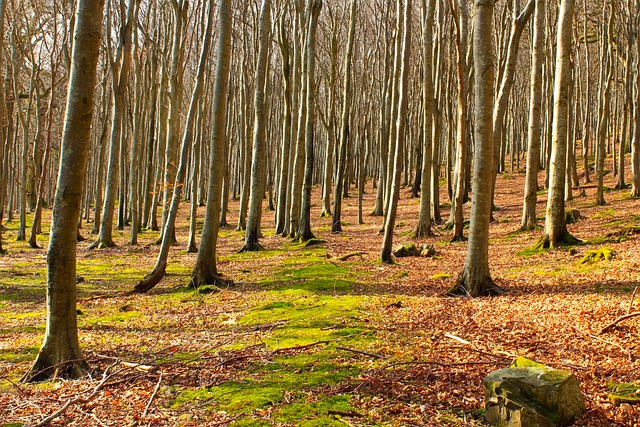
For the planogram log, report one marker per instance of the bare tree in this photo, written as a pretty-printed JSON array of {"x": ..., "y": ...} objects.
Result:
[{"x": 60, "y": 354}]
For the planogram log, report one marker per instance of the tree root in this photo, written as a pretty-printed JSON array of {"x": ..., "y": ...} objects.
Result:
[
  {"x": 102, "y": 244},
  {"x": 484, "y": 287}
]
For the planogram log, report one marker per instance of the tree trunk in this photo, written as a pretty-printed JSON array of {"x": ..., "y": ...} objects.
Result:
[
  {"x": 529, "y": 216},
  {"x": 475, "y": 279},
  {"x": 424, "y": 221},
  {"x": 205, "y": 271},
  {"x": 259, "y": 161},
  {"x": 169, "y": 229},
  {"x": 336, "y": 225},
  {"x": 304, "y": 225},
  {"x": 60, "y": 354},
  {"x": 400, "y": 118},
  {"x": 555, "y": 232}
]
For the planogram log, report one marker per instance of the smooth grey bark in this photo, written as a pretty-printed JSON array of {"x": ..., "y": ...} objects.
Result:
[
  {"x": 60, "y": 355},
  {"x": 168, "y": 230},
  {"x": 555, "y": 232},
  {"x": 603, "y": 119},
  {"x": 3, "y": 120},
  {"x": 205, "y": 271},
  {"x": 283, "y": 184},
  {"x": 259, "y": 160},
  {"x": 120, "y": 67},
  {"x": 336, "y": 225},
  {"x": 475, "y": 278},
  {"x": 456, "y": 219},
  {"x": 400, "y": 118},
  {"x": 423, "y": 228},
  {"x": 529, "y": 215},
  {"x": 304, "y": 224}
]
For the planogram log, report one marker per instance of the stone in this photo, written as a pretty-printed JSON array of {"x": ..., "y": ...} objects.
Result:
[
  {"x": 529, "y": 394},
  {"x": 405, "y": 250},
  {"x": 427, "y": 251}
]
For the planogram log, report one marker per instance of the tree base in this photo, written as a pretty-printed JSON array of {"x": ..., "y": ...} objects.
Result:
[
  {"x": 102, "y": 244},
  {"x": 325, "y": 214},
  {"x": 44, "y": 369},
  {"x": 456, "y": 239},
  {"x": 566, "y": 239},
  {"x": 422, "y": 231},
  {"x": 151, "y": 280},
  {"x": 307, "y": 238},
  {"x": 193, "y": 248},
  {"x": 251, "y": 247},
  {"x": 484, "y": 287}
]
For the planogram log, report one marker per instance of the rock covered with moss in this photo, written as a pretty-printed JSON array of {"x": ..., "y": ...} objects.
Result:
[{"x": 529, "y": 394}]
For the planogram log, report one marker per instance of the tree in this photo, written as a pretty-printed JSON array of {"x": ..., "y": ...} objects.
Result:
[
  {"x": 394, "y": 194},
  {"x": 304, "y": 224},
  {"x": 336, "y": 225},
  {"x": 60, "y": 354},
  {"x": 3, "y": 120},
  {"x": 555, "y": 228},
  {"x": 475, "y": 279},
  {"x": 168, "y": 230},
  {"x": 205, "y": 271},
  {"x": 529, "y": 219},
  {"x": 120, "y": 67},
  {"x": 424, "y": 221},
  {"x": 259, "y": 161}
]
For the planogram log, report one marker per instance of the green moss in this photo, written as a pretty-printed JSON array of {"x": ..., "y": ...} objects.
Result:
[
  {"x": 19, "y": 355},
  {"x": 441, "y": 276},
  {"x": 595, "y": 255},
  {"x": 523, "y": 362},
  {"x": 624, "y": 392}
]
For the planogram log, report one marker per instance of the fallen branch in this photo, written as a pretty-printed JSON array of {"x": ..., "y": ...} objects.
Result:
[
  {"x": 352, "y": 350},
  {"x": 79, "y": 399},
  {"x": 350, "y": 255},
  {"x": 353, "y": 414},
  {"x": 153, "y": 396},
  {"x": 619, "y": 320},
  {"x": 300, "y": 347},
  {"x": 633, "y": 296}
]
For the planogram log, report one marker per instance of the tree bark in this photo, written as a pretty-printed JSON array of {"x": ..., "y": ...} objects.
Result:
[
  {"x": 205, "y": 271},
  {"x": 475, "y": 278},
  {"x": 60, "y": 355}
]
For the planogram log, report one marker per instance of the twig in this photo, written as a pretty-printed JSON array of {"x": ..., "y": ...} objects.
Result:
[
  {"x": 301, "y": 347},
  {"x": 595, "y": 337},
  {"x": 350, "y": 255},
  {"x": 484, "y": 353},
  {"x": 345, "y": 413},
  {"x": 456, "y": 338},
  {"x": 352, "y": 350},
  {"x": 445, "y": 365},
  {"x": 618, "y": 320},
  {"x": 632, "y": 298},
  {"x": 79, "y": 399},
  {"x": 153, "y": 396}
]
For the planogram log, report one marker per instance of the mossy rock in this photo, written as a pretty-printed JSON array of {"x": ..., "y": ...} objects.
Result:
[
  {"x": 530, "y": 394},
  {"x": 428, "y": 251},
  {"x": 405, "y": 250},
  {"x": 603, "y": 254},
  {"x": 624, "y": 393}
]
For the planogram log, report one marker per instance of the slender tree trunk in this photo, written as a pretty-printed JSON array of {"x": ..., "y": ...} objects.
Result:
[
  {"x": 529, "y": 215},
  {"x": 120, "y": 80},
  {"x": 304, "y": 224},
  {"x": 205, "y": 271},
  {"x": 475, "y": 278},
  {"x": 555, "y": 232},
  {"x": 336, "y": 225},
  {"x": 169, "y": 229},
  {"x": 400, "y": 118},
  {"x": 424, "y": 221},
  {"x": 259, "y": 161},
  {"x": 60, "y": 355}
]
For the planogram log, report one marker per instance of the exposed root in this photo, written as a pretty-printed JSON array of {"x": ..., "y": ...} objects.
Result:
[
  {"x": 102, "y": 244},
  {"x": 151, "y": 280},
  {"x": 484, "y": 287}
]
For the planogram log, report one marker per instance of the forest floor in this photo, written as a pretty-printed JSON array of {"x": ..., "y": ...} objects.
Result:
[{"x": 302, "y": 338}]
